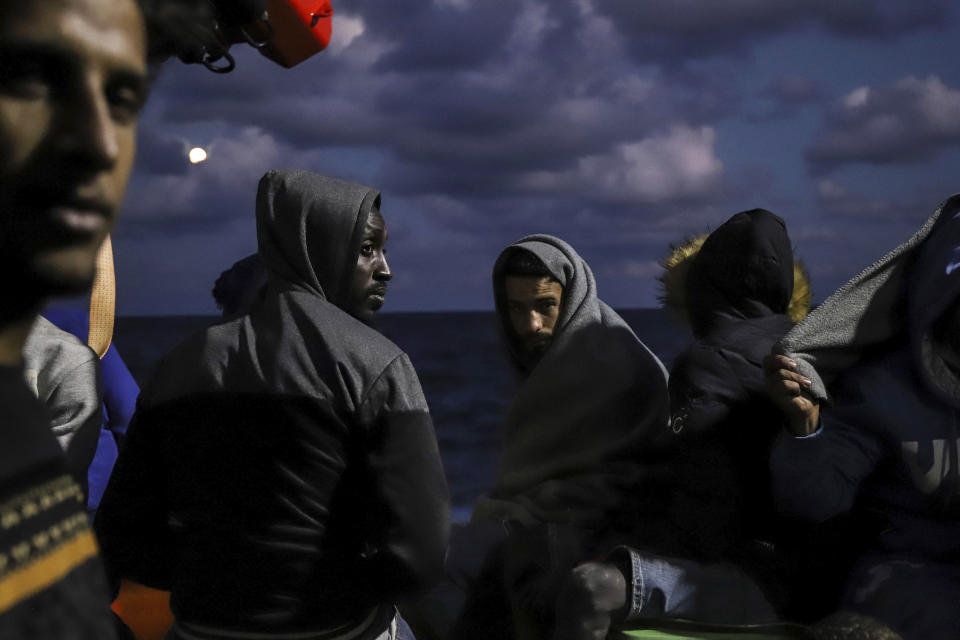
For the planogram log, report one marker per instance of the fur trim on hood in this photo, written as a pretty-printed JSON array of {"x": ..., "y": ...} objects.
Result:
[{"x": 676, "y": 266}]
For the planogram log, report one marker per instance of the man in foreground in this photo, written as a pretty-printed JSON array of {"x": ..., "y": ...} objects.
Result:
[
  {"x": 281, "y": 475},
  {"x": 581, "y": 457},
  {"x": 72, "y": 81}
]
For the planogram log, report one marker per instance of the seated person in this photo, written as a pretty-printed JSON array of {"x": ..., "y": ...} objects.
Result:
[
  {"x": 736, "y": 288},
  {"x": 281, "y": 475},
  {"x": 582, "y": 452},
  {"x": 888, "y": 345},
  {"x": 742, "y": 291}
]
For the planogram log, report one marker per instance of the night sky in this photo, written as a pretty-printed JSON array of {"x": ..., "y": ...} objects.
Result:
[{"x": 621, "y": 126}]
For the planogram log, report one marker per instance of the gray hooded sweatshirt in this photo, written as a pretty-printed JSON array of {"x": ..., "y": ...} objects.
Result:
[{"x": 281, "y": 474}]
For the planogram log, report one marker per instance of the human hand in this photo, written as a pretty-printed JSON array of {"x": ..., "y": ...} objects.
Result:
[
  {"x": 789, "y": 391},
  {"x": 594, "y": 594}
]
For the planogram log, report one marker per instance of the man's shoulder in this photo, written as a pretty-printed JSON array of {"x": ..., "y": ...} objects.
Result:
[
  {"x": 51, "y": 353},
  {"x": 49, "y": 343},
  {"x": 344, "y": 335}
]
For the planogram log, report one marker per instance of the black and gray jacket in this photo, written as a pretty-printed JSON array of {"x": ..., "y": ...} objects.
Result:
[
  {"x": 889, "y": 443},
  {"x": 738, "y": 293},
  {"x": 281, "y": 474}
]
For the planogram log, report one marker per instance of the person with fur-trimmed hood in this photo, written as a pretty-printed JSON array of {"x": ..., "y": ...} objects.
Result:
[
  {"x": 740, "y": 290},
  {"x": 882, "y": 357},
  {"x": 281, "y": 476}
]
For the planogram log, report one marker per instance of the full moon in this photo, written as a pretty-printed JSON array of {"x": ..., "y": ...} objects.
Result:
[{"x": 197, "y": 155}]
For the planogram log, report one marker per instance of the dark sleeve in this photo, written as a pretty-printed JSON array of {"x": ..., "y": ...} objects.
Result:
[
  {"x": 404, "y": 459},
  {"x": 818, "y": 477},
  {"x": 131, "y": 523}
]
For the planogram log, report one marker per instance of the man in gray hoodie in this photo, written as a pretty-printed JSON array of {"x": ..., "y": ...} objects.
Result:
[{"x": 281, "y": 475}]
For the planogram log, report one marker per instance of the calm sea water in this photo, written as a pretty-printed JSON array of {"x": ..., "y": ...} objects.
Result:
[{"x": 462, "y": 367}]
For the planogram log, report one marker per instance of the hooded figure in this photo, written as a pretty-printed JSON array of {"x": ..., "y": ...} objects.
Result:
[
  {"x": 739, "y": 293},
  {"x": 735, "y": 288},
  {"x": 585, "y": 415},
  {"x": 581, "y": 461},
  {"x": 281, "y": 475},
  {"x": 889, "y": 443}
]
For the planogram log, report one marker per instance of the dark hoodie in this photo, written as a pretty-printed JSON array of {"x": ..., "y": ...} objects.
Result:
[
  {"x": 281, "y": 473},
  {"x": 583, "y": 429},
  {"x": 738, "y": 290},
  {"x": 890, "y": 442}
]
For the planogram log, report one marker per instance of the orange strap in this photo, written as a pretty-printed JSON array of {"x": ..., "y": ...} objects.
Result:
[{"x": 103, "y": 301}]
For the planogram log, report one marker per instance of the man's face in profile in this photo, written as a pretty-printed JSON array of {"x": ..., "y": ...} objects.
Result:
[
  {"x": 369, "y": 285},
  {"x": 72, "y": 82},
  {"x": 533, "y": 303}
]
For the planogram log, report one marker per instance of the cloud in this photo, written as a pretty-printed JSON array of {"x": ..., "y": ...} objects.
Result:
[
  {"x": 834, "y": 199},
  {"x": 161, "y": 154},
  {"x": 345, "y": 29},
  {"x": 673, "y": 31},
  {"x": 219, "y": 189},
  {"x": 618, "y": 125},
  {"x": 679, "y": 165},
  {"x": 839, "y": 200},
  {"x": 908, "y": 122}
]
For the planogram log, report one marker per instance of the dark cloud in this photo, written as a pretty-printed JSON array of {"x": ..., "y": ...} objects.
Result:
[
  {"x": 444, "y": 38},
  {"x": 529, "y": 107},
  {"x": 794, "y": 89},
  {"x": 785, "y": 97},
  {"x": 672, "y": 31},
  {"x": 836, "y": 199},
  {"x": 908, "y": 122},
  {"x": 621, "y": 126},
  {"x": 160, "y": 154}
]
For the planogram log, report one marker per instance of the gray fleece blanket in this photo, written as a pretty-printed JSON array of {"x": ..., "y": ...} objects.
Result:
[
  {"x": 866, "y": 311},
  {"x": 581, "y": 430}
]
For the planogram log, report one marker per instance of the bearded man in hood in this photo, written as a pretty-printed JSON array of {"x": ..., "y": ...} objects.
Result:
[
  {"x": 582, "y": 458},
  {"x": 281, "y": 475},
  {"x": 882, "y": 358}
]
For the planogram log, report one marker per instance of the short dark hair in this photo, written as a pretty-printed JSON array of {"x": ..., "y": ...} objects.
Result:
[{"x": 524, "y": 263}]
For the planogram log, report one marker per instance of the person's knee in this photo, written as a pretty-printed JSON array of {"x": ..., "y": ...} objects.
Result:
[{"x": 592, "y": 598}]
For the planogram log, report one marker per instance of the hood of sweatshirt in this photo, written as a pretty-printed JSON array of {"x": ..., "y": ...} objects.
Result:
[
  {"x": 743, "y": 270},
  {"x": 310, "y": 228},
  {"x": 933, "y": 288},
  {"x": 896, "y": 300}
]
